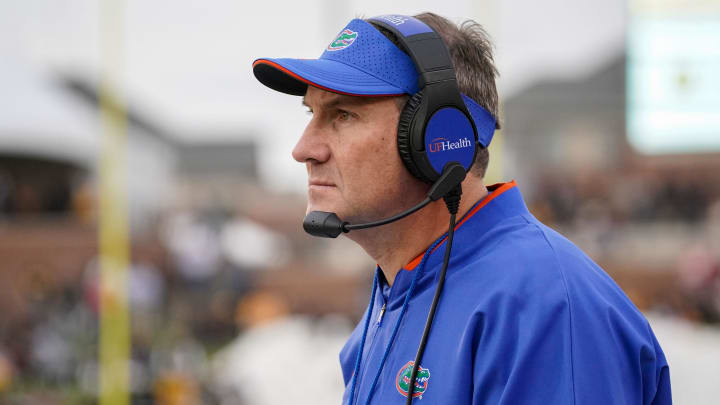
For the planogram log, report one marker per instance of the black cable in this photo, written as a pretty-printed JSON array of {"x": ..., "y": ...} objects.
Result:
[
  {"x": 349, "y": 227},
  {"x": 452, "y": 200}
]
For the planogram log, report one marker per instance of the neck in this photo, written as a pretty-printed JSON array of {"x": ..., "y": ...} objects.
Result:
[{"x": 394, "y": 245}]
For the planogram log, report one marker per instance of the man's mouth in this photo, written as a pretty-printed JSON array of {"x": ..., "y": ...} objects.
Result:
[{"x": 320, "y": 183}]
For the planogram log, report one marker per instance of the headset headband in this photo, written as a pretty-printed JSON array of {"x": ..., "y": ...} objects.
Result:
[{"x": 424, "y": 46}]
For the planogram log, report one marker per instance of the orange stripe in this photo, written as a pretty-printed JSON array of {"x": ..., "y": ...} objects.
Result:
[
  {"x": 414, "y": 263},
  {"x": 498, "y": 189},
  {"x": 306, "y": 81}
]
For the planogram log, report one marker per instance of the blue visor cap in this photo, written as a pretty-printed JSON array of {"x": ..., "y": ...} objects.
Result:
[{"x": 360, "y": 61}]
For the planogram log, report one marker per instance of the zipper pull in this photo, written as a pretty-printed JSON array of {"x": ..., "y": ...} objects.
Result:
[{"x": 380, "y": 317}]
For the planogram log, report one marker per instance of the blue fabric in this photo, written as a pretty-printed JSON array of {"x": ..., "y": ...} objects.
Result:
[
  {"x": 370, "y": 65},
  {"x": 406, "y": 25},
  {"x": 484, "y": 121},
  {"x": 449, "y": 138},
  {"x": 525, "y": 318},
  {"x": 362, "y": 340},
  {"x": 384, "y": 357}
]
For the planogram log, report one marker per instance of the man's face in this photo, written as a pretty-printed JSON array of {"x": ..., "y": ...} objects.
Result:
[{"x": 350, "y": 151}]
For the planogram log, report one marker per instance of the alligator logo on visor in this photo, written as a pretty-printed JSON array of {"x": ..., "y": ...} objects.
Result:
[
  {"x": 345, "y": 39},
  {"x": 402, "y": 381}
]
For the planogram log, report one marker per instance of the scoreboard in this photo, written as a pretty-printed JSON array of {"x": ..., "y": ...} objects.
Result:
[{"x": 673, "y": 77}]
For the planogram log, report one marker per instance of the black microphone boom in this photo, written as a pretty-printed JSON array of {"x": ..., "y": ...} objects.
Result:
[
  {"x": 347, "y": 227},
  {"x": 329, "y": 225},
  {"x": 323, "y": 224}
]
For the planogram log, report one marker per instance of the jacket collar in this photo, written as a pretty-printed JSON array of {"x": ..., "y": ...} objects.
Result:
[{"x": 503, "y": 201}]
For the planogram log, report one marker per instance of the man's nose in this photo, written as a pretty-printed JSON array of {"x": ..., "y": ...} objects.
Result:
[{"x": 311, "y": 146}]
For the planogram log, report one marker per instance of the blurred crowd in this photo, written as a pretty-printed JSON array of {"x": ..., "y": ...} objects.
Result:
[{"x": 212, "y": 316}]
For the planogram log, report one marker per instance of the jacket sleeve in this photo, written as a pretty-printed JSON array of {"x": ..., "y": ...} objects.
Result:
[
  {"x": 662, "y": 394},
  {"x": 523, "y": 354},
  {"x": 542, "y": 347}
]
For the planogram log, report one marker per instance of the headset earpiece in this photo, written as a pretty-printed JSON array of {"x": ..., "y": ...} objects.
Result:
[
  {"x": 435, "y": 126},
  {"x": 422, "y": 142},
  {"x": 428, "y": 142},
  {"x": 404, "y": 142}
]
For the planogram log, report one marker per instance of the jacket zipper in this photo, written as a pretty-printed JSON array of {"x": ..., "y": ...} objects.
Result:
[
  {"x": 370, "y": 350},
  {"x": 380, "y": 317}
]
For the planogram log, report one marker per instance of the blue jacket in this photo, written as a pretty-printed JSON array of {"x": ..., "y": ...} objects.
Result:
[{"x": 525, "y": 318}]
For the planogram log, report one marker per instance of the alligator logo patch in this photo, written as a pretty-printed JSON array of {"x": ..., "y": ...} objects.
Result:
[
  {"x": 345, "y": 39},
  {"x": 402, "y": 382}
]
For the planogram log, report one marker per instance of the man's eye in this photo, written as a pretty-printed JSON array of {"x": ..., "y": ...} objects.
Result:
[{"x": 343, "y": 115}]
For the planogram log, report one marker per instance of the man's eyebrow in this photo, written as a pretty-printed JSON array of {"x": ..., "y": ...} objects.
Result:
[{"x": 342, "y": 100}]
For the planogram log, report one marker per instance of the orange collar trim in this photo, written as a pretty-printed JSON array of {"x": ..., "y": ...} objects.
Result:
[{"x": 496, "y": 189}]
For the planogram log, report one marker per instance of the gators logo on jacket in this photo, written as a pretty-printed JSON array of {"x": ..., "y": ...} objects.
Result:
[
  {"x": 345, "y": 39},
  {"x": 402, "y": 382}
]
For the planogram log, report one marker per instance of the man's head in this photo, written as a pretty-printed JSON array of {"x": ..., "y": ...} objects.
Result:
[{"x": 350, "y": 146}]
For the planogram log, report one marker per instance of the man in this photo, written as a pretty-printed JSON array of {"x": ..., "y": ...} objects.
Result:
[{"x": 525, "y": 316}]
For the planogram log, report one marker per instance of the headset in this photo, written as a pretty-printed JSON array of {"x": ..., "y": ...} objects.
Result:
[
  {"x": 437, "y": 140},
  {"x": 435, "y": 126}
]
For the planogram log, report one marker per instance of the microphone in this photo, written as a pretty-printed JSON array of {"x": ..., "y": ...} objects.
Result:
[{"x": 329, "y": 225}]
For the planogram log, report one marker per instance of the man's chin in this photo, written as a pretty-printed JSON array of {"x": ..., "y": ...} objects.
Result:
[
  {"x": 321, "y": 207},
  {"x": 328, "y": 206},
  {"x": 320, "y": 200}
]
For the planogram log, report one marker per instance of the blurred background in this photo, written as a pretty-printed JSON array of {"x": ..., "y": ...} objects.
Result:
[{"x": 611, "y": 127}]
